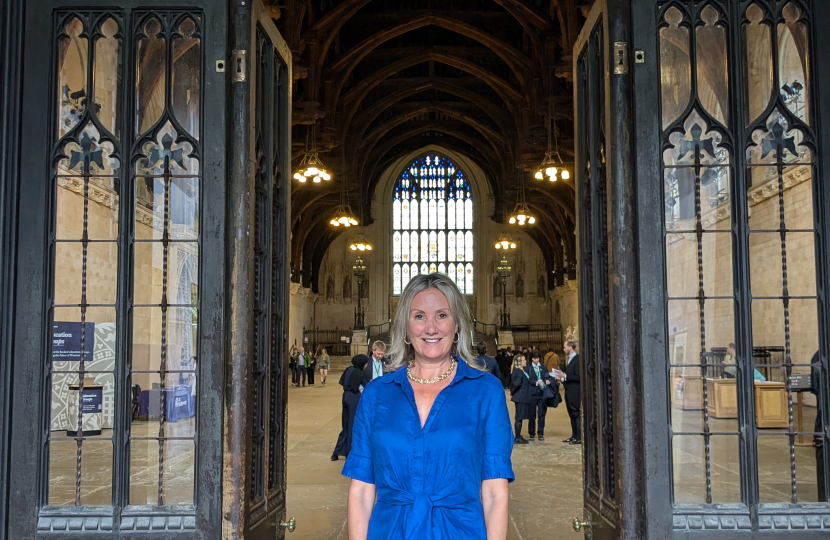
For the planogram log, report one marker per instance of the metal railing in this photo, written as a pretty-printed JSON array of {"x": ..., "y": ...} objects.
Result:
[
  {"x": 332, "y": 340},
  {"x": 484, "y": 328},
  {"x": 374, "y": 330},
  {"x": 542, "y": 336}
]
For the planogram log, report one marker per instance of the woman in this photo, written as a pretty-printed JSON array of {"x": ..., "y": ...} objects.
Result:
[
  {"x": 432, "y": 441},
  {"x": 353, "y": 381},
  {"x": 323, "y": 361},
  {"x": 521, "y": 395},
  {"x": 292, "y": 365}
]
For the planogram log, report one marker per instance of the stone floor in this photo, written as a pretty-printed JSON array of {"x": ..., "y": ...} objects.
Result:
[{"x": 544, "y": 499}]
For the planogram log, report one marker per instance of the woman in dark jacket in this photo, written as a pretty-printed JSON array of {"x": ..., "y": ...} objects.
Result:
[
  {"x": 353, "y": 381},
  {"x": 520, "y": 394}
]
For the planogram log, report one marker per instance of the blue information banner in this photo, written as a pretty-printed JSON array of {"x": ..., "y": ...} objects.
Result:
[
  {"x": 93, "y": 400},
  {"x": 66, "y": 341}
]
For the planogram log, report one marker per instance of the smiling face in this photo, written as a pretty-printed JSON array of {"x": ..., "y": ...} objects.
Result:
[{"x": 431, "y": 326}]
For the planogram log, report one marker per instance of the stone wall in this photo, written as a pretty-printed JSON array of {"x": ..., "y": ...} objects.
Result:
[{"x": 765, "y": 274}]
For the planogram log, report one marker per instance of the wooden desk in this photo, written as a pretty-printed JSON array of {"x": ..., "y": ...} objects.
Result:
[
  {"x": 691, "y": 398},
  {"x": 771, "y": 405},
  {"x": 722, "y": 398}
]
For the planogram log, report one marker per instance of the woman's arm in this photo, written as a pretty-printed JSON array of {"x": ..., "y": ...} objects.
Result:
[
  {"x": 361, "y": 502},
  {"x": 494, "y": 499}
]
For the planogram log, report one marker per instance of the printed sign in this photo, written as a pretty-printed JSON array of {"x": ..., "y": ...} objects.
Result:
[
  {"x": 93, "y": 400},
  {"x": 66, "y": 341},
  {"x": 800, "y": 381}
]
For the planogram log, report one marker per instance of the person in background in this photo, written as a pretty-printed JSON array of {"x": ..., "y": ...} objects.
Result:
[
  {"x": 539, "y": 378},
  {"x": 729, "y": 370},
  {"x": 503, "y": 362},
  {"x": 572, "y": 397},
  {"x": 353, "y": 381},
  {"x": 323, "y": 362},
  {"x": 302, "y": 366},
  {"x": 551, "y": 360},
  {"x": 489, "y": 363},
  {"x": 292, "y": 365},
  {"x": 311, "y": 367},
  {"x": 520, "y": 396},
  {"x": 377, "y": 363}
]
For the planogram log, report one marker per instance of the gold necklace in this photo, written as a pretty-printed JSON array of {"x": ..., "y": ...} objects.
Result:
[{"x": 432, "y": 380}]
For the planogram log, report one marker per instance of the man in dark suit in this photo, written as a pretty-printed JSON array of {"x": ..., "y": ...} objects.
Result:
[
  {"x": 489, "y": 363},
  {"x": 539, "y": 377},
  {"x": 570, "y": 378},
  {"x": 375, "y": 366}
]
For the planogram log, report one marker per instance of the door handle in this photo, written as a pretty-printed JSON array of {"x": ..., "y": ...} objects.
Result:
[
  {"x": 579, "y": 525},
  {"x": 291, "y": 524}
]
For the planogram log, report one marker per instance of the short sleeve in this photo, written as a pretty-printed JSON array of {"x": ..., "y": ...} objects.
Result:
[
  {"x": 359, "y": 463},
  {"x": 498, "y": 437}
]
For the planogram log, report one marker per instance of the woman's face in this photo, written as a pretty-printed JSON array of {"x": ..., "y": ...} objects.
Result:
[
  {"x": 431, "y": 326},
  {"x": 524, "y": 361}
]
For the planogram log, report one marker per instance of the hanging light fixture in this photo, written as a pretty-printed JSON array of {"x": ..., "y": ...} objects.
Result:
[
  {"x": 311, "y": 168},
  {"x": 360, "y": 243},
  {"x": 343, "y": 215},
  {"x": 521, "y": 213},
  {"x": 552, "y": 167},
  {"x": 505, "y": 242}
]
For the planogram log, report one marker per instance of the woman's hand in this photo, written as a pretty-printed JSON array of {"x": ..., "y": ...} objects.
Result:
[
  {"x": 495, "y": 494},
  {"x": 361, "y": 502}
]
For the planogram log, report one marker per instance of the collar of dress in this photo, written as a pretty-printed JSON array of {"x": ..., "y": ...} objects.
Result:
[{"x": 464, "y": 372}]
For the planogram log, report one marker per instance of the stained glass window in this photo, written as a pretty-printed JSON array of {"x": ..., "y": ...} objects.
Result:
[
  {"x": 396, "y": 279},
  {"x": 396, "y": 247},
  {"x": 405, "y": 247},
  {"x": 432, "y": 221}
]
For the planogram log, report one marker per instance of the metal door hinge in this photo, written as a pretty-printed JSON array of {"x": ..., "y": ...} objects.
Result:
[
  {"x": 239, "y": 65},
  {"x": 620, "y": 58}
]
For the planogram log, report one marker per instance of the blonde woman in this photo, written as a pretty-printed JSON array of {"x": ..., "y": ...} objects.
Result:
[
  {"x": 432, "y": 440},
  {"x": 323, "y": 362},
  {"x": 520, "y": 395}
]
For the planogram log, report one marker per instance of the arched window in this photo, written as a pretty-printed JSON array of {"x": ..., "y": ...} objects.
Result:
[{"x": 432, "y": 223}]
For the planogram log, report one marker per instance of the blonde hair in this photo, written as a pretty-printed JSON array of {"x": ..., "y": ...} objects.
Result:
[
  {"x": 401, "y": 353},
  {"x": 517, "y": 361},
  {"x": 379, "y": 346}
]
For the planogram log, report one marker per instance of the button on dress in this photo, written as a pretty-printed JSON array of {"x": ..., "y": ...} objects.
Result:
[{"x": 429, "y": 480}]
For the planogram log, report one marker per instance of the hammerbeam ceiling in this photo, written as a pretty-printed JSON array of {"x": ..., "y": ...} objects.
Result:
[{"x": 379, "y": 78}]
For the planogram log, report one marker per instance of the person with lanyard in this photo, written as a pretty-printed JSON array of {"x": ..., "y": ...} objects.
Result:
[
  {"x": 539, "y": 378},
  {"x": 572, "y": 399},
  {"x": 375, "y": 368}
]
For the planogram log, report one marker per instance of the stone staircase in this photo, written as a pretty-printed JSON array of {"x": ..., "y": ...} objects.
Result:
[{"x": 488, "y": 339}]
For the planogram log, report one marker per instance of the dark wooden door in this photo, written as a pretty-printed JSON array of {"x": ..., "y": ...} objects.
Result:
[
  {"x": 266, "y": 174},
  {"x": 703, "y": 243},
  {"x": 118, "y": 323}
]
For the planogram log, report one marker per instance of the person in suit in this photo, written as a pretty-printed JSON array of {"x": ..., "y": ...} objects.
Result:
[
  {"x": 570, "y": 378},
  {"x": 375, "y": 367},
  {"x": 489, "y": 363},
  {"x": 504, "y": 363},
  {"x": 353, "y": 381},
  {"x": 520, "y": 396},
  {"x": 538, "y": 377}
]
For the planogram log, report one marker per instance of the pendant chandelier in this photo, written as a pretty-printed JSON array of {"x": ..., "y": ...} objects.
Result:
[
  {"x": 360, "y": 243},
  {"x": 521, "y": 213},
  {"x": 505, "y": 242},
  {"x": 343, "y": 215},
  {"x": 311, "y": 168},
  {"x": 552, "y": 166}
]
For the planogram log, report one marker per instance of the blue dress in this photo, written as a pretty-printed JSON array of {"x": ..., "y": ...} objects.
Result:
[{"x": 429, "y": 480}]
